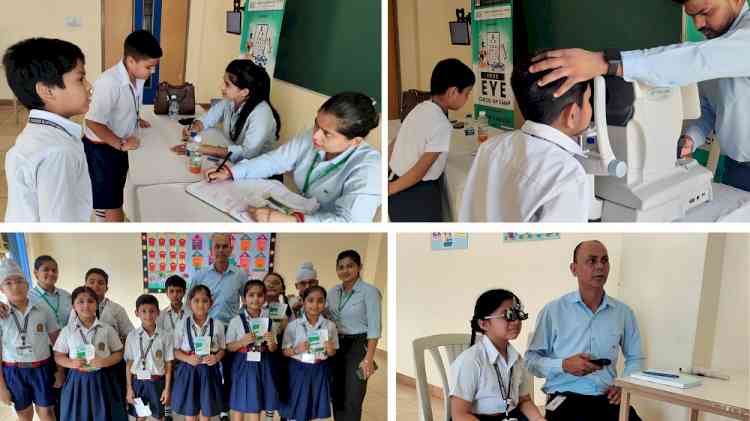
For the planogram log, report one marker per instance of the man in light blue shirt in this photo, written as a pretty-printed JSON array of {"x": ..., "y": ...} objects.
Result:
[
  {"x": 575, "y": 331},
  {"x": 717, "y": 63}
]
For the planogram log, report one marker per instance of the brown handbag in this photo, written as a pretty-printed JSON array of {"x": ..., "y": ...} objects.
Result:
[{"x": 185, "y": 97}]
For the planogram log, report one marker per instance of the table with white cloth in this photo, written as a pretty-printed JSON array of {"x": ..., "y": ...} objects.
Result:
[
  {"x": 728, "y": 205},
  {"x": 155, "y": 187}
]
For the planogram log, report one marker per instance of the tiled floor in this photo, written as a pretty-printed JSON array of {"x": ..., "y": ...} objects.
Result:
[
  {"x": 375, "y": 402},
  {"x": 8, "y": 132}
]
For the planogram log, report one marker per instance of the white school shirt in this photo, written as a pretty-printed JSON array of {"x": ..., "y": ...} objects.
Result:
[
  {"x": 101, "y": 335},
  {"x": 41, "y": 322},
  {"x": 158, "y": 355},
  {"x": 425, "y": 129},
  {"x": 112, "y": 314},
  {"x": 59, "y": 302},
  {"x": 236, "y": 330},
  {"x": 115, "y": 102},
  {"x": 474, "y": 378},
  {"x": 181, "y": 342},
  {"x": 528, "y": 175},
  {"x": 297, "y": 330},
  {"x": 168, "y": 319},
  {"x": 258, "y": 135},
  {"x": 351, "y": 193},
  {"x": 47, "y": 174}
]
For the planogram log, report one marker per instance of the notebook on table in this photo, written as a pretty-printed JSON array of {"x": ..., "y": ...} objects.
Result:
[{"x": 682, "y": 381}]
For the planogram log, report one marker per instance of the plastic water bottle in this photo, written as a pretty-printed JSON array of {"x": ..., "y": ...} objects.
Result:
[
  {"x": 195, "y": 157},
  {"x": 174, "y": 107},
  {"x": 469, "y": 126},
  {"x": 483, "y": 124}
]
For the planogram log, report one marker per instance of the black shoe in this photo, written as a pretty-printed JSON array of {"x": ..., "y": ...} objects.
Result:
[
  {"x": 225, "y": 418},
  {"x": 168, "y": 418}
]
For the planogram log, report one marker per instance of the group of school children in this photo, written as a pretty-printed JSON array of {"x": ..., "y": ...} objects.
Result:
[
  {"x": 61, "y": 172},
  {"x": 78, "y": 357}
]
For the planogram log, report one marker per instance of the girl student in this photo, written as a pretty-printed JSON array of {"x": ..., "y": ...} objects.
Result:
[
  {"x": 275, "y": 295},
  {"x": 86, "y": 346},
  {"x": 199, "y": 346},
  {"x": 489, "y": 381},
  {"x": 253, "y": 380},
  {"x": 308, "y": 350},
  {"x": 249, "y": 120},
  {"x": 331, "y": 163}
]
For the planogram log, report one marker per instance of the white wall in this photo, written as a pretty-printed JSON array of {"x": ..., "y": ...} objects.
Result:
[{"x": 660, "y": 276}]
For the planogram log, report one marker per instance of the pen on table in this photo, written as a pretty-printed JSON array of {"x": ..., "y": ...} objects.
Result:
[{"x": 218, "y": 169}]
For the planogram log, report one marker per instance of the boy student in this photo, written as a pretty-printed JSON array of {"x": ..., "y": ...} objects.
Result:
[
  {"x": 532, "y": 174},
  {"x": 171, "y": 316},
  {"x": 419, "y": 153},
  {"x": 149, "y": 353},
  {"x": 112, "y": 122},
  {"x": 46, "y": 168},
  {"x": 27, "y": 377}
]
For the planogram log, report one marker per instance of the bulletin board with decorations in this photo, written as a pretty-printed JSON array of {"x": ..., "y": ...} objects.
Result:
[{"x": 184, "y": 254}]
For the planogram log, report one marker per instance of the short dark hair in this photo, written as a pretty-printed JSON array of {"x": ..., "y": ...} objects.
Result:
[
  {"x": 355, "y": 113},
  {"x": 98, "y": 272},
  {"x": 146, "y": 299},
  {"x": 200, "y": 288},
  {"x": 175, "y": 281},
  {"x": 39, "y": 261},
  {"x": 35, "y": 60},
  {"x": 141, "y": 45},
  {"x": 352, "y": 254},
  {"x": 253, "y": 283},
  {"x": 449, "y": 73},
  {"x": 537, "y": 103},
  {"x": 314, "y": 288}
]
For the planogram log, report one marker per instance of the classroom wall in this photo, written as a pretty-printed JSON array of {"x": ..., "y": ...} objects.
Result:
[
  {"x": 120, "y": 256},
  {"x": 210, "y": 49},
  {"x": 44, "y": 18},
  {"x": 660, "y": 276},
  {"x": 424, "y": 39}
]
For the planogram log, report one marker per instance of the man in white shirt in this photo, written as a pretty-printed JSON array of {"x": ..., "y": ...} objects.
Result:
[
  {"x": 532, "y": 174},
  {"x": 717, "y": 64},
  {"x": 46, "y": 168}
]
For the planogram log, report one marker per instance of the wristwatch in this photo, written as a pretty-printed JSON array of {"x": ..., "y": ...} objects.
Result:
[{"x": 614, "y": 61}]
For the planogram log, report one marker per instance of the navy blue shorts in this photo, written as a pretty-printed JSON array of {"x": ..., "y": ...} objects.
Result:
[
  {"x": 30, "y": 385},
  {"x": 108, "y": 169},
  {"x": 150, "y": 393}
]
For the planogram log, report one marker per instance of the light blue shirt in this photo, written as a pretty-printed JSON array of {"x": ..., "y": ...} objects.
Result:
[
  {"x": 351, "y": 193},
  {"x": 258, "y": 135},
  {"x": 59, "y": 303},
  {"x": 723, "y": 71},
  {"x": 358, "y": 313},
  {"x": 226, "y": 290},
  {"x": 566, "y": 327},
  {"x": 41, "y": 323}
]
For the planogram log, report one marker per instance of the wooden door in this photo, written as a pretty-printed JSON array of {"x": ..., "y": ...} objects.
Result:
[
  {"x": 394, "y": 68},
  {"x": 117, "y": 24},
  {"x": 174, "y": 33}
]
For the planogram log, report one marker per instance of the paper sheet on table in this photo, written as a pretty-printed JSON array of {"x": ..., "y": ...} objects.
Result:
[{"x": 234, "y": 197}]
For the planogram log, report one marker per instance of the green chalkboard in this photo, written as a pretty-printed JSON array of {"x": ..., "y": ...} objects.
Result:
[
  {"x": 595, "y": 24},
  {"x": 331, "y": 46}
]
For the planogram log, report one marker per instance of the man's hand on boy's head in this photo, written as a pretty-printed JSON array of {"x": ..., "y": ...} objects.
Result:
[
  {"x": 574, "y": 64},
  {"x": 143, "y": 123}
]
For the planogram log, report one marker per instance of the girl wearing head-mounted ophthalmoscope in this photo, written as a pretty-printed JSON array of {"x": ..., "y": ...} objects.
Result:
[{"x": 488, "y": 381}]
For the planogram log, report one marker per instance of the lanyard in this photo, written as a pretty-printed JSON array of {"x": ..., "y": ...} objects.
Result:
[
  {"x": 323, "y": 174},
  {"x": 44, "y": 122},
  {"x": 171, "y": 320},
  {"x": 144, "y": 355},
  {"x": 22, "y": 331},
  {"x": 342, "y": 302},
  {"x": 83, "y": 337},
  {"x": 547, "y": 140},
  {"x": 135, "y": 104},
  {"x": 504, "y": 393},
  {"x": 101, "y": 308},
  {"x": 55, "y": 308}
]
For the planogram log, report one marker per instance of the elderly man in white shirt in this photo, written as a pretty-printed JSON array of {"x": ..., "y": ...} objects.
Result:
[{"x": 532, "y": 174}]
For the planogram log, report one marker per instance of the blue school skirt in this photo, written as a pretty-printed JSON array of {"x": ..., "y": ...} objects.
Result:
[
  {"x": 196, "y": 390},
  {"x": 253, "y": 384},
  {"x": 309, "y": 391},
  {"x": 30, "y": 385},
  {"x": 150, "y": 393},
  {"x": 91, "y": 396}
]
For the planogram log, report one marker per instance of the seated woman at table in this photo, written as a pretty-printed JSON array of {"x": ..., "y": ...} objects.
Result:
[
  {"x": 331, "y": 163},
  {"x": 249, "y": 120}
]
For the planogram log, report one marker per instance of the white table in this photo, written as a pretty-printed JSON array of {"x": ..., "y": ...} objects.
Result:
[
  {"x": 728, "y": 205},
  {"x": 174, "y": 205},
  {"x": 153, "y": 164},
  {"x": 728, "y": 398}
]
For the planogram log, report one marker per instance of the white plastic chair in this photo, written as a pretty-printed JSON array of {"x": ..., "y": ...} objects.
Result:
[{"x": 453, "y": 344}]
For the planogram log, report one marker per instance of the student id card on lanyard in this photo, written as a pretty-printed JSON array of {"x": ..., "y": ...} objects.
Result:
[
  {"x": 143, "y": 373},
  {"x": 23, "y": 347},
  {"x": 86, "y": 351},
  {"x": 505, "y": 393},
  {"x": 309, "y": 182},
  {"x": 136, "y": 105}
]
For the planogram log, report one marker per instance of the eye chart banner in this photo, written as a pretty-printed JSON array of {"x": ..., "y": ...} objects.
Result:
[
  {"x": 184, "y": 254},
  {"x": 492, "y": 56},
  {"x": 261, "y": 28}
]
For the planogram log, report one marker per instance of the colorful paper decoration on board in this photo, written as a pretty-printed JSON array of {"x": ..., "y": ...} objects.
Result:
[
  {"x": 530, "y": 236},
  {"x": 449, "y": 241}
]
